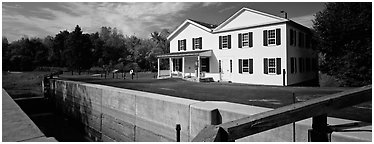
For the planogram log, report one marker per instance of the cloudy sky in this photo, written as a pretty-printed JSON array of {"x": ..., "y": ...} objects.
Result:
[{"x": 36, "y": 19}]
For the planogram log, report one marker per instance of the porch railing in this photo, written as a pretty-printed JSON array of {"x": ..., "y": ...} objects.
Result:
[{"x": 316, "y": 108}]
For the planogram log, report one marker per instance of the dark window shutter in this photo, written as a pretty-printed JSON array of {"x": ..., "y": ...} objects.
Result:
[
  {"x": 201, "y": 42},
  {"x": 300, "y": 65},
  {"x": 265, "y": 66},
  {"x": 278, "y": 36},
  {"x": 300, "y": 40},
  {"x": 250, "y": 66},
  {"x": 185, "y": 44},
  {"x": 265, "y": 38},
  {"x": 229, "y": 41},
  {"x": 193, "y": 43},
  {"x": 279, "y": 68},
  {"x": 307, "y": 43},
  {"x": 174, "y": 63},
  {"x": 240, "y": 66},
  {"x": 179, "y": 45},
  {"x": 180, "y": 65},
  {"x": 220, "y": 42},
  {"x": 294, "y": 38},
  {"x": 292, "y": 65},
  {"x": 295, "y": 59},
  {"x": 240, "y": 40},
  {"x": 207, "y": 64},
  {"x": 250, "y": 37},
  {"x": 291, "y": 37}
]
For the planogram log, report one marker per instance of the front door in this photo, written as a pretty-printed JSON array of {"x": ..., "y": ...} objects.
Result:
[{"x": 226, "y": 68}]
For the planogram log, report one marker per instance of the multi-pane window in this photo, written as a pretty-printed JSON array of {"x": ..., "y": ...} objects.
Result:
[
  {"x": 272, "y": 65},
  {"x": 271, "y": 37},
  {"x": 293, "y": 65},
  {"x": 196, "y": 43},
  {"x": 245, "y": 39},
  {"x": 181, "y": 45},
  {"x": 245, "y": 65},
  {"x": 177, "y": 63},
  {"x": 225, "y": 41}
]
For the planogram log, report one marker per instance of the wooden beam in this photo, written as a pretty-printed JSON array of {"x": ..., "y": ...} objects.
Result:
[{"x": 292, "y": 113}]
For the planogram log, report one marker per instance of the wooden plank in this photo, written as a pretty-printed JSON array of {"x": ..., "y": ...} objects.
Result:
[{"x": 285, "y": 115}]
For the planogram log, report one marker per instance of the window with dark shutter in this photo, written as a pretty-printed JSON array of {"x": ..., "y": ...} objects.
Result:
[
  {"x": 251, "y": 66},
  {"x": 193, "y": 43},
  {"x": 185, "y": 43},
  {"x": 291, "y": 38},
  {"x": 295, "y": 59},
  {"x": 279, "y": 68},
  {"x": 174, "y": 64},
  {"x": 278, "y": 36},
  {"x": 240, "y": 40},
  {"x": 240, "y": 66},
  {"x": 301, "y": 64},
  {"x": 292, "y": 65},
  {"x": 229, "y": 41},
  {"x": 250, "y": 39},
  {"x": 294, "y": 38},
  {"x": 265, "y": 35},
  {"x": 201, "y": 42},
  {"x": 220, "y": 42},
  {"x": 180, "y": 64},
  {"x": 307, "y": 42},
  {"x": 265, "y": 66},
  {"x": 245, "y": 65},
  {"x": 179, "y": 45}
]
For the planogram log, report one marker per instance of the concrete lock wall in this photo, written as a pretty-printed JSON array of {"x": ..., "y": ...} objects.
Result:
[{"x": 116, "y": 114}]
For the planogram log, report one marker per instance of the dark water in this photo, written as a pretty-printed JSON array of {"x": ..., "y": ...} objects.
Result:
[{"x": 50, "y": 122}]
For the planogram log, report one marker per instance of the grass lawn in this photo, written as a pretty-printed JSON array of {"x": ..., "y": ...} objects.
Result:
[
  {"x": 264, "y": 96},
  {"x": 23, "y": 84}
]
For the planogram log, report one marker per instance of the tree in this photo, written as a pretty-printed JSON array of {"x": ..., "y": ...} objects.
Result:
[
  {"x": 6, "y": 54},
  {"x": 56, "y": 56},
  {"x": 78, "y": 50},
  {"x": 344, "y": 30}
]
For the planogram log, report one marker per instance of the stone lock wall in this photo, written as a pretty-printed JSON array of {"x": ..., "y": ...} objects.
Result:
[{"x": 116, "y": 114}]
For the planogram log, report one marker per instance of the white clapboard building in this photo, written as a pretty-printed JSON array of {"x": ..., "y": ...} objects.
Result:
[{"x": 249, "y": 47}]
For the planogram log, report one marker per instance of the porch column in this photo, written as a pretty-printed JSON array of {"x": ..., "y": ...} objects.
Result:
[
  {"x": 183, "y": 67},
  {"x": 171, "y": 65},
  {"x": 198, "y": 68},
  {"x": 158, "y": 67}
]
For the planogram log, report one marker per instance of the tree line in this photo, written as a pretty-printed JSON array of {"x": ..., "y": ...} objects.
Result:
[{"x": 107, "y": 49}]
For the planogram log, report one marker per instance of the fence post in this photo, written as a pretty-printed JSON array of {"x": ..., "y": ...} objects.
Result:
[{"x": 320, "y": 132}]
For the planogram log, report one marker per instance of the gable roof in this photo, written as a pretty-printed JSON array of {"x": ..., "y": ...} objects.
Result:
[
  {"x": 227, "y": 21},
  {"x": 211, "y": 28},
  {"x": 205, "y": 26}
]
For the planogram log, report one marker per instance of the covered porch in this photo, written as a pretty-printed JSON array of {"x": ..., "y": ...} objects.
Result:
[{"x": 191, "y": 65}]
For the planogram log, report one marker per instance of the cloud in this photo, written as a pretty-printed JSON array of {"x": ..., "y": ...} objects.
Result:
[
  {"x": 226, "y": 9},
  {"x": 305, "y": 20},
  {"x": 206, "y": 4},
  {"x": 130, "y": 18}
]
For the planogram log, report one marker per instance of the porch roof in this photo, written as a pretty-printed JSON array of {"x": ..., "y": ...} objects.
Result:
[{"x": 206, "y": 53}]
